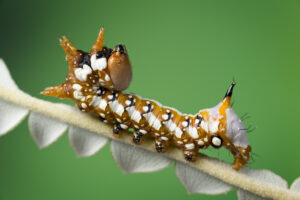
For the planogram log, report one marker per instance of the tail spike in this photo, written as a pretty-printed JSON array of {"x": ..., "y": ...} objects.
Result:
[
  {"x": 57, "y": 91},
  {"x": 230, "y": 90},
  {"x": 98, "y": 45}
]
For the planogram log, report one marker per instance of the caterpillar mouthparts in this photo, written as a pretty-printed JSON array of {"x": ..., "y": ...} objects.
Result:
[{"x": 95, "y": 82}]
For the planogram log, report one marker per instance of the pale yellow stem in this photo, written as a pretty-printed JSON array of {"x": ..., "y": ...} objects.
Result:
[{"x": 213, "y": 167}]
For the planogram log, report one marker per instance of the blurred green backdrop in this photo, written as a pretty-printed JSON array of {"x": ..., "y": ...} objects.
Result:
[{"x": 184, "y": 54}]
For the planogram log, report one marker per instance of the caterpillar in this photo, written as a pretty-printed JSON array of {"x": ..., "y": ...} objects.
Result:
[{"x": 96, "y": 80}]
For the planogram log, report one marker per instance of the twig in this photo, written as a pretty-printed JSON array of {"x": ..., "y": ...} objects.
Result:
[{"x": 208, "y": 165}]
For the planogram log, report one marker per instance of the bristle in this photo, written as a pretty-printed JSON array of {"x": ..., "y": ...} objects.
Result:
[
  {"x": 69, "y": 49},
  {"x": 57, "y": 91},
  {"x": 98, "y": 45}
]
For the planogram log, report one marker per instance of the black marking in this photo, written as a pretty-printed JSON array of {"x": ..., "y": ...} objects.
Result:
[
  {"x": 100, "y": 92},
  {"x": 117, "y": 128},
  {"x": 159, "y": 148},
  {"x": 199, "y": 117},
  {"x": 102, "y": 119},
  {"x": 137, "y": 136},
  {"x": 150, "y": 109},
  {"x": 85, "y": 59},
  {"x": 169, "y": 116},
  {"x": 132, "y": 102},
  {"x": 230, "y": 90},
  {"x": 105, "y": 53},
  {"x": 188, "y": 121},
  {"x": 120, "y": 48},
  {"x": 212, "y": 144},
  {"x": 100, "y": 54},
  {"x": 188, "y": 157},
  {"x": 115, "y": 95}
]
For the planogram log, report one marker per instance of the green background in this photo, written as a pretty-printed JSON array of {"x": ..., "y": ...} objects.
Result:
[{"x": 184, "y": 54}]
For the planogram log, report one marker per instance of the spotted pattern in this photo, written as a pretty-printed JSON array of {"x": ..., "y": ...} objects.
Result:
[{"x": 90, "y": 85}]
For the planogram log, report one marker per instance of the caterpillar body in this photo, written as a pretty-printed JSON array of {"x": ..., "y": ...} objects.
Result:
[{"x": 96, "y": 80}]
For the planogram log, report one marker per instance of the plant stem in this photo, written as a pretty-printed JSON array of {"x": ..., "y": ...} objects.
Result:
[{"x": 213, "y": 167}]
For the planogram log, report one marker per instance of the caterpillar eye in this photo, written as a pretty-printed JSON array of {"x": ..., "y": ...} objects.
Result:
[
  {"x": 216, "y": 141},
  {"x": 120, "y": 48}
]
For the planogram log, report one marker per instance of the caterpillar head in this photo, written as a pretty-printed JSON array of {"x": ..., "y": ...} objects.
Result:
[
  {"x": 224, "y": 128},
  {"x": 102, "y": 67}
]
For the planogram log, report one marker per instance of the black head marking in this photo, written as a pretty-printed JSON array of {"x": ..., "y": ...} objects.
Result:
[
  {"x": 120, "y": 48},
  {"x": 106, "y": 52},
  {"x": 85, "y": 59}
]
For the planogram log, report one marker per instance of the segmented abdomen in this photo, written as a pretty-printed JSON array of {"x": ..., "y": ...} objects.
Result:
[{"x": 146, "y": 117}]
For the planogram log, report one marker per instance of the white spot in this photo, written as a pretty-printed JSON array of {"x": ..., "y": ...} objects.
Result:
[
  {"x": 136, "y": 126},
  {"x": 123, "y": 126},
  {"x": 145, "y": 108},
  {"x": 130, "y": 110},
  {"x": 165, "y": 116},
  {"x": 150, "y": 118},
  {"x": 216, "y": 141},
  {"x": 156, "y": 124},
  {"x": 136, "y": 116},
  {"x": 102, "y": 115},
  {"x": 156, "y": 134},
  {"x": 83, "y": 105},
  {"x": 113, "y": 105},
  {"x": 178, "y": 132},
  {"x": 77, "y": 95},
  {"x": 205, "y": 139},
  {"x": 164, "y": 138},
  {"x": 120, "y": 110},
  {"x": 102, "y": 104},
  {"x": 213, "y": 126},
  {"x": 184, "y": 123},
  {"x": 171, "y": 125},
  {"x": 98, "y": 64},
  {"x": 96, "y": 101},
  {"x": 200, "y": 143},
  {"x": 179, "y": 142},
  {"x": 204, "y": 126},
  {"x": 143, "y": 131},
  {"x": 127, "y": 102},
  {"x": 190, "y": 146},
  {"x": 194, "y": 132},
  {"x": 107, "y": 78},
  {"x": 118, "y": 120},
  {"x": 110, "y": 96},
  {"x": 82, "y": 73},
  {"x": 77, "y": 87}
]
